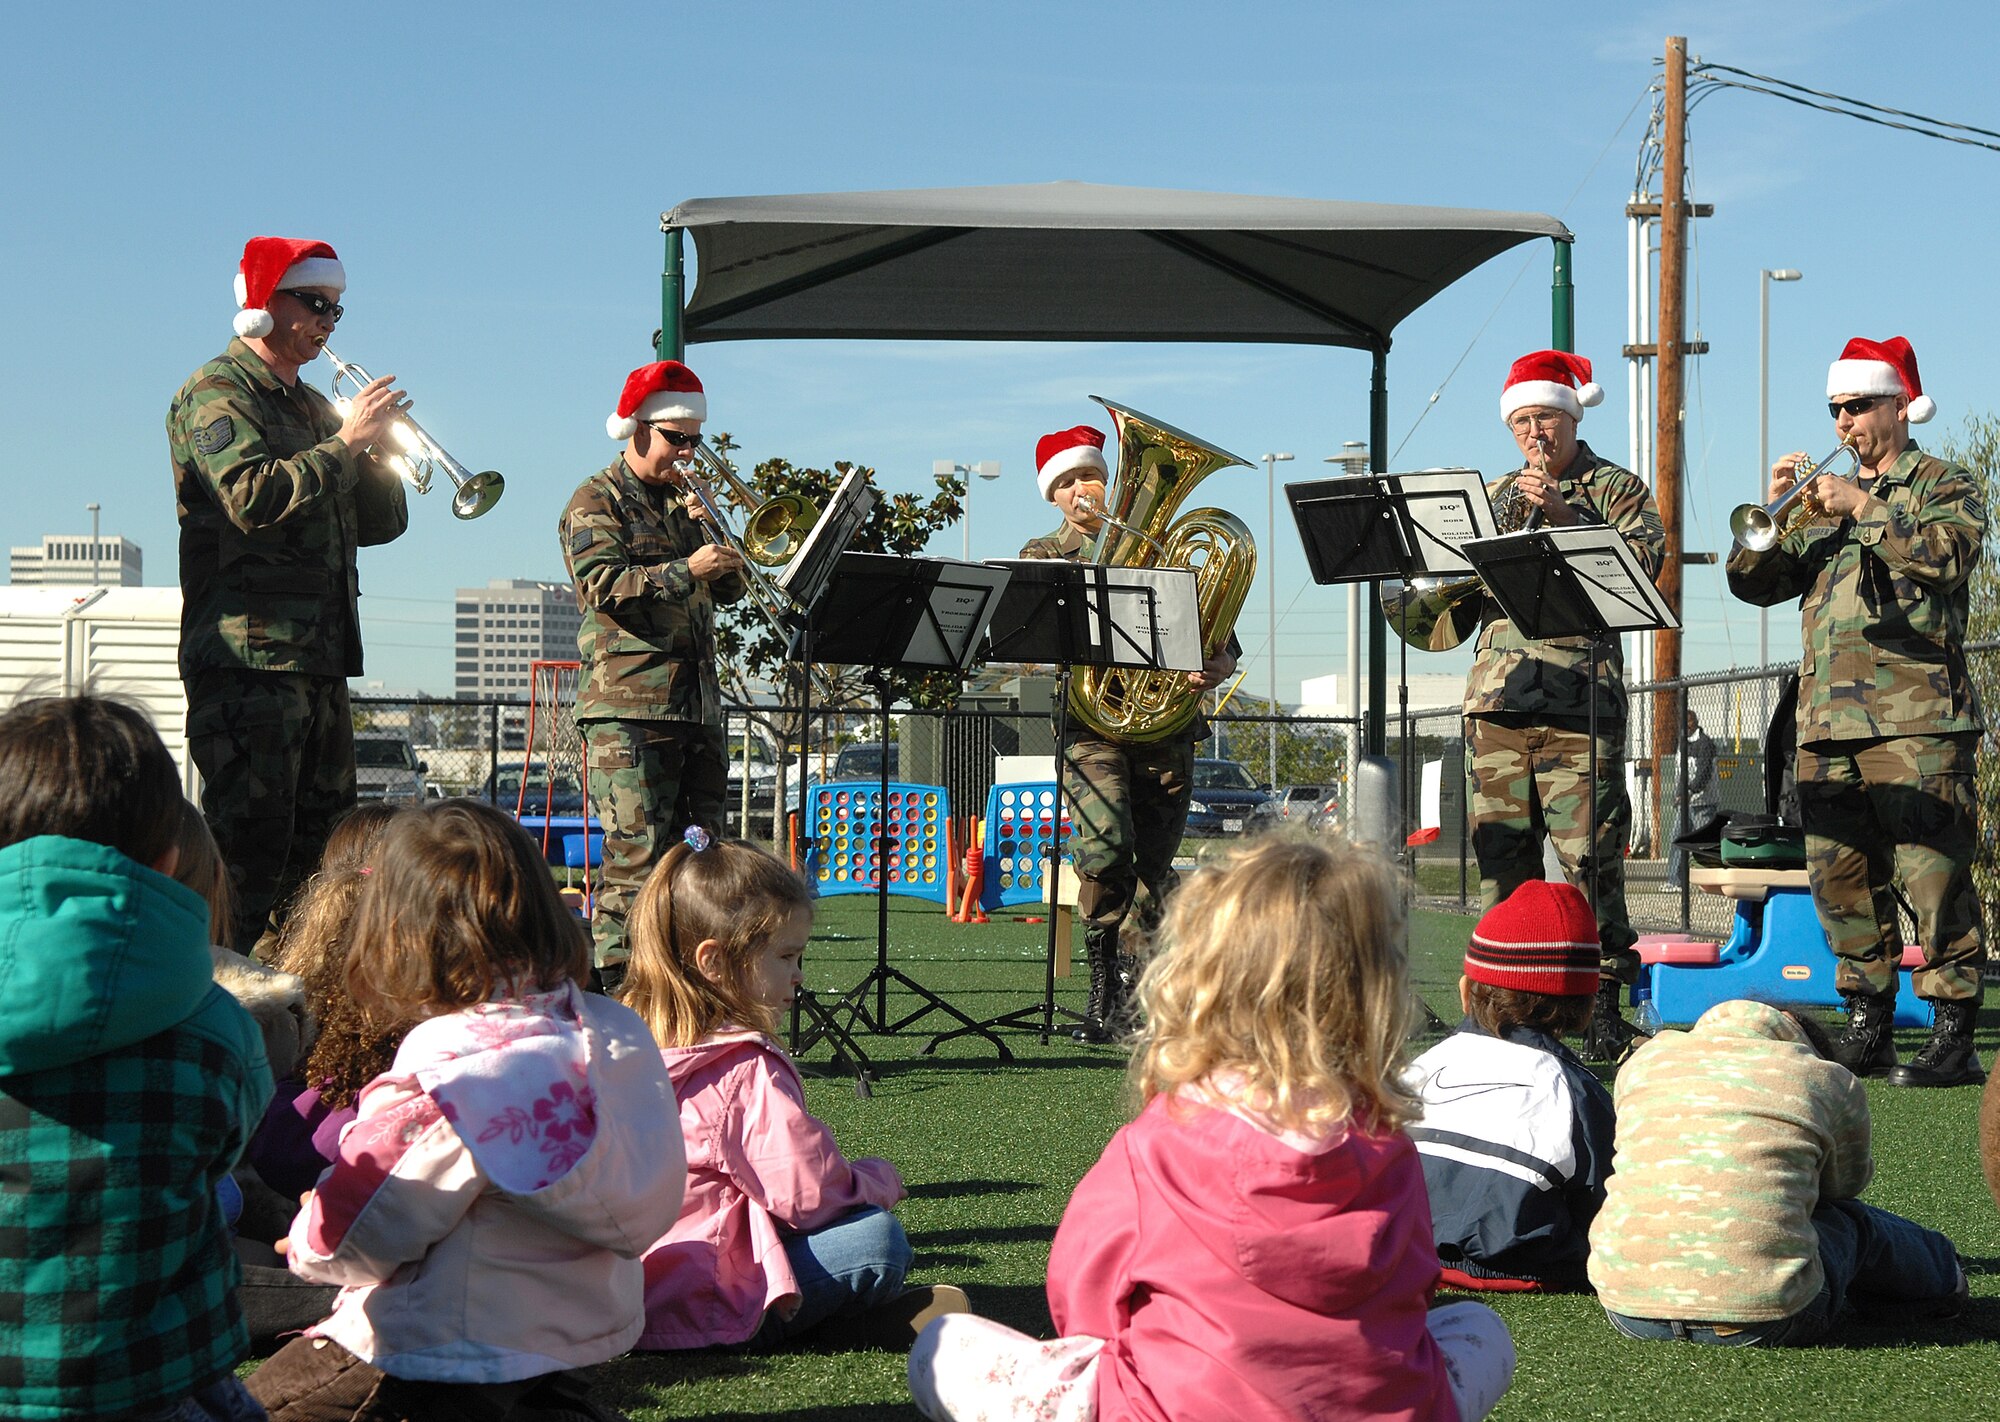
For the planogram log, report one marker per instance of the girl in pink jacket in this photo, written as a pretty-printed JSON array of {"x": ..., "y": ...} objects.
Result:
[
  {"x": 1256, "y": 1245},
  {"x": 779, "y": 1232}
]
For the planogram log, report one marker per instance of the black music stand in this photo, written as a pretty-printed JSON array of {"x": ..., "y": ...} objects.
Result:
[
  {"x": 901, "y": 614},
  {"x": 1573, "y": 582},
  {"x": 1368, "y": 528},
  {"x": 1081, "y": 614}
]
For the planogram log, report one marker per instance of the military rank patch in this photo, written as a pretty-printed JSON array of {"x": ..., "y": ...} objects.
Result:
[
  {"x": 215, "y": 436},
  {"x": 582, "y": 539}
]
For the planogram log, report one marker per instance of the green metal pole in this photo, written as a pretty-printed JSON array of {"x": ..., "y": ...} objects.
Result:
[
  {"x": 673, "y": 292},
  {"x": 1375, "y": 735},
  {"x": 1562, "y": 301}
]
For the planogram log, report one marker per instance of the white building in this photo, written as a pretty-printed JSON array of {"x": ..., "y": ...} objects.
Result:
[
  {"x": 64, "y": 560},
  {"x": 501, "y": 628},
  {"x": 1429, "y": 691}
]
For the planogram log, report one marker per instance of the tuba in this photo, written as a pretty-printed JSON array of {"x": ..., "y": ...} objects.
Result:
[{"x": 1158, "y": 466}]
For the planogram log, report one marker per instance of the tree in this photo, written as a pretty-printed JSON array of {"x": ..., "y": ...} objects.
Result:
[{"x": 1976, "y": 445}]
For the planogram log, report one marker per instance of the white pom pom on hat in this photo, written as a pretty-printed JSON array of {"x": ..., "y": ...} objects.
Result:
[
  {"x": 1559, "y": 380},
  {"x": 1886, "y": 367},
  {"x": 272, "y": 264},
  {"x": 664, "y": 390}
]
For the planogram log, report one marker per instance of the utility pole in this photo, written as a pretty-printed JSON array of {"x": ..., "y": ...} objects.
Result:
[{"x": 1669, "y": 425}]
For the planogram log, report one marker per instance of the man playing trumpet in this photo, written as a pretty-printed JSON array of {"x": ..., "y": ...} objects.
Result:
[
  {"x": 1527, "y": 703},
  {"x": 275, "y": 490},
  {"x": 1887, "y": 717}
]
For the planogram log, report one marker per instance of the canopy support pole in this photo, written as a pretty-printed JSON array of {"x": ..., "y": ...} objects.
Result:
[{"x": 673, "y": 301}]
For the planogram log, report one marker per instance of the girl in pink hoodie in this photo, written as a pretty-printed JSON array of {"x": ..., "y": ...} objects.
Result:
[
  {"x": 1256, "y": 1245},
  {"x": 778, "y": 1232}
]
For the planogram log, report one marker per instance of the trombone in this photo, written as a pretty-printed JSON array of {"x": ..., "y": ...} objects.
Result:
[
  {"x": 420, "y": 456},
  {"x": 1759, "y": 527}
]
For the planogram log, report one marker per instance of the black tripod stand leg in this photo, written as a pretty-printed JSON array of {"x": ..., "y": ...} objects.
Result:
[{"x": 847, "y": 1053}]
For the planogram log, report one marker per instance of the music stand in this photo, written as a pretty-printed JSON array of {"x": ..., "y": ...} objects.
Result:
[
  {"x": 901, "y": 614},
  {"x": 1084, "y": 614},
  {"x": 1374, "y": 527},
  {"x": 1572, "y": 582}
]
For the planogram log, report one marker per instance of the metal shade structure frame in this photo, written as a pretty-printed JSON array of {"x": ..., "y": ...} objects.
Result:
[{"x": 1087, "y": 262}]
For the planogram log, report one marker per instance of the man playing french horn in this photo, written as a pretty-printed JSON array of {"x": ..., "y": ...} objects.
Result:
[
  {"x": 1527, "y": 703},
  {"x": 1888, "y": 720},
  {"x": 648, "y": 701}
]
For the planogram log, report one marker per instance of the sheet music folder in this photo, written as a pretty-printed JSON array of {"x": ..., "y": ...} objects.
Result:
[
  {"x": 804, "y": 578},
  {"x": 1570, "y": 582},
  {"x": 915, "y": 614},
  {"x": 1365, "y": 527},
  {"x": 1087, "y": 614}
]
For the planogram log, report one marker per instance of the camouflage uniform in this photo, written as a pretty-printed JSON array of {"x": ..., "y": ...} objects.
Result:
[
  {"x": 648, "y": 702},
  {"x": 1527, "y": 732},
  {"x": 1887, "y": 721},
  {"x": 272, "y": 507}
]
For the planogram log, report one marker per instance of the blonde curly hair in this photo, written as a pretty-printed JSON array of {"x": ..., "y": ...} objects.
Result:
[{"x": 1282, "y": 975}]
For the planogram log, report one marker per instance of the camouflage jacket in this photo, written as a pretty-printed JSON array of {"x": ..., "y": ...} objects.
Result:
[
  {"x": 1884, "y": 601},
  {"x": 1512, "y": 673},
  {"x": 647, "y": 640},
  {"x": 272, "y": 507}
]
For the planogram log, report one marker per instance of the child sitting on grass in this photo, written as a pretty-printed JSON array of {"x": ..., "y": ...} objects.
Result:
[
  {"x": 1732, "y": 1216},
  {"x": 1516, "y": 1134},
  {"x": 779, "y": 1233},
  {"x": 488, "y": 1206},
  {"x": 129, "y": 1082},
  {"x": 1255, "y": 1246}
]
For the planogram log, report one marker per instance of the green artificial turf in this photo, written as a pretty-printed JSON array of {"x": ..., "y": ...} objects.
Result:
[{"x": 991, "y": 1152}]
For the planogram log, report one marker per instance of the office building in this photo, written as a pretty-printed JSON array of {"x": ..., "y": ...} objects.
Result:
[
  {"x": 64, "y": 560},
  {"x": 501, "y": 628}
]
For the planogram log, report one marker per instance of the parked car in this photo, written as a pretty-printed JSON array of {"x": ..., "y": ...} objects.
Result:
[
  {"x": 386, "y": 768},
  {"x": 863, "y": 762},
  {"x": 1292, "y": 805},
  {"x": 1225, "y": 796},
  {"x": 562, "y": 796}
]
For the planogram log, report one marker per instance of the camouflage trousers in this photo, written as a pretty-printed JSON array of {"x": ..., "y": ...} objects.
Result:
[
  {"x": 1128, "y": 805},
  {"x": 1528, "y": 781},
  {"x": 276, "y": 755},
  {"x": 649, "y": 780},
  {"x": 1879, "y": 814}
]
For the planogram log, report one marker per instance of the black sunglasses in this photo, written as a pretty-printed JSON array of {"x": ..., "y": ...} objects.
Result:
[
  {"x": 679, "y": 439},
  {"x": 318, "y": 305},
  {"x": 1860, "y": 405}
]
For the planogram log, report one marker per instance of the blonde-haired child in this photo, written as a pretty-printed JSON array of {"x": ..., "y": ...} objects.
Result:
[
  {"x": 1256, "y": 1244},
  {"x": 487, "y": 1208},
  {"x": 779, "y": 1232}
]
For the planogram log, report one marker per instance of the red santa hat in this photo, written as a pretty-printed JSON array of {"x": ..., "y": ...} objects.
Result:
[
  {"x": 1542, "y": 938},
  {"x": 1880, "y": 368},
  {"x": 664, "y": 390},
  {"x": 280, "y": 264},
  {"x": 1556, "y": 379},
  {"x": 1056, "y": 454}
]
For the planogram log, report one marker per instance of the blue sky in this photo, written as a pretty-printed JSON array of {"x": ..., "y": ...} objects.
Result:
[{"x": 493, "y": 176}]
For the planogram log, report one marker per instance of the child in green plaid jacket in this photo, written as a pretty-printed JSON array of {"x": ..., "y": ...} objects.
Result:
[{"x": 129, "y": 1084}]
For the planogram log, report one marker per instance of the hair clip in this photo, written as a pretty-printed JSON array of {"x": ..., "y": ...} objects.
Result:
[
  {"x": 696, "y": 838},
  {"x": 368, "y": 869}
]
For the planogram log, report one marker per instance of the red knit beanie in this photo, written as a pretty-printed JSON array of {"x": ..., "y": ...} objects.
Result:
[{"x": 1542, "y": 939}]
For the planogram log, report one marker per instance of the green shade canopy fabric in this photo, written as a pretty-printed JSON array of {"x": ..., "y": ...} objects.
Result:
[{"x": 1077, "y": 262}]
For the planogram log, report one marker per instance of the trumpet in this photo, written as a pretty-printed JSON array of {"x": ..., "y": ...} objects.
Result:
[
  {"x": 1762, "y": 526},
  {"x": 420, "y": 456}
]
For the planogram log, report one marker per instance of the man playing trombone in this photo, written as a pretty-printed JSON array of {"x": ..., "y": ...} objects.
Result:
[
  {"x": 648, "y": 578},
  {"x": 275, "y": 490},
  {"x": 1527, "y": 703},
  {"x": 1887, "y": 717}
]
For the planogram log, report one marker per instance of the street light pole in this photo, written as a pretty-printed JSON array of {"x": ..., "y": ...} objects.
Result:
[
  {"x": 984, "y": 469},
  {"x": 92, "y": 508},
  {"x": 1764, "y": 280},
  {"x": 1271, "y": 463}
]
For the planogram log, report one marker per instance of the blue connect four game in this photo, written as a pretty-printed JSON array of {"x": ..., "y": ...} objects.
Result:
[
  {"x": 1020, "y": 832},
  {"x": 846, "y": 820}
]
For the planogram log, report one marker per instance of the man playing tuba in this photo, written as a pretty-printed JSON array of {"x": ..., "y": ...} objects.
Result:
[
  {"x": 1527, "y": 703},
  {"x": 1128, "y": 800},
  {"x": 1887, "y": 716}
]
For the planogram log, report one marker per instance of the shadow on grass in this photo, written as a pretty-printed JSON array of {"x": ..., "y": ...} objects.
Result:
[
  {"x": 983, "y": 1234},
  {"x": 946, "y": 1189}
]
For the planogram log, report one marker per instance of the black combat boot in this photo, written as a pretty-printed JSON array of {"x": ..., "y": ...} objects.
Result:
[
  {"x": 1948, "y": 1059},
  {"x": 1866, "y": 1048},
  {"x": 1609, "y": 1037},
  {"x": 1101, "y": 949}
]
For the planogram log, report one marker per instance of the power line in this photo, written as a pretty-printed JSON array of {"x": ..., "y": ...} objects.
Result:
[{"x": 1845, "y": 106}]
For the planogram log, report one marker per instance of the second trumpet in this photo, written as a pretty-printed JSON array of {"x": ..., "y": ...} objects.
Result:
[
  {"x": 418, "y": 457},
  {"x": 1762, "y": 526}
]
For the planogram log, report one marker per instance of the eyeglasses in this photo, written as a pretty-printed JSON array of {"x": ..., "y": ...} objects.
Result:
[
  {"x": 678, "y": 439},
  {"x": 318, "y": 305},
  {"x": 1861, "y": 405},
  {"x": 1526, "y": 422}
]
